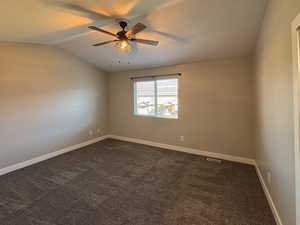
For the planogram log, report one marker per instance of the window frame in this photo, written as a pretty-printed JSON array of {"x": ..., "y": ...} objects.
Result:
[{"x": 155, "y": 98}]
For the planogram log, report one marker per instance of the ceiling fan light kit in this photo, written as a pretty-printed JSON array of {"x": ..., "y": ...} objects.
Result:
[
  {"x": 123, "y": 45},
  {"x": 125, "y": 37}
]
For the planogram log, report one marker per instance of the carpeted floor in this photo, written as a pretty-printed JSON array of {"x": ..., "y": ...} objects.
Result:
[{"x": 120, "y": 183}]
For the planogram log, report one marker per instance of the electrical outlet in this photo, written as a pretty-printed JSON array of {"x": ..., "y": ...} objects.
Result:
[
  {"x": 269, "y": 177},
  {"x": 181, "y": 138},
  {"x": 91, "y": 132}
]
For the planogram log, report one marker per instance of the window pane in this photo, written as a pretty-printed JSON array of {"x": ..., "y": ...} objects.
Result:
[
  {"x": 145, "y": 98},
  {"x": 167, "y": 103}
]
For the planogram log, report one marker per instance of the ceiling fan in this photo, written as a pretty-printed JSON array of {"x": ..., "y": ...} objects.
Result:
[{"x": 123, "y": 37}]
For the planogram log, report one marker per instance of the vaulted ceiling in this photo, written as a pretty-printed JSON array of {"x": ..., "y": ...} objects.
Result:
[{"x": 188, "y": 30}]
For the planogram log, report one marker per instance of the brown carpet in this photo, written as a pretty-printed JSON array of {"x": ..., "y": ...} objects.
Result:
[{"x": 120, "y": 183}]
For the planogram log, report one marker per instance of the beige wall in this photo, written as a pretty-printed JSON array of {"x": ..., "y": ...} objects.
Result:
[
  {"x": 216, "y": 105},
  {"x": 48, "y": 100},
  {"x": 275, "y": 152}
]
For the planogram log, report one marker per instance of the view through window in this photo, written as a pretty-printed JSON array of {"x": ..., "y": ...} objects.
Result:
[{"x": 156, "y": 98}]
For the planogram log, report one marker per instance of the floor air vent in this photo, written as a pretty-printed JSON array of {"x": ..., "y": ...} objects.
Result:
[{"x": 219, "y": 161}]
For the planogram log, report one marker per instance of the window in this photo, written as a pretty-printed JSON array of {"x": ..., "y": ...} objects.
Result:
[{"x": 156, "y": 97}]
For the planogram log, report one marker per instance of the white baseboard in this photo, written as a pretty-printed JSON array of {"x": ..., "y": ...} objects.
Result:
[
  {"x": 268, "y": 195},
  {"x": 21, "y": 165},
  {"x": 187, "y": 150},
  {"x": 135, "y": 140}
]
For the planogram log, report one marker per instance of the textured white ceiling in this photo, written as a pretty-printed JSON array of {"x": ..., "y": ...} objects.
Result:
[{"x": 188, "y": 30}]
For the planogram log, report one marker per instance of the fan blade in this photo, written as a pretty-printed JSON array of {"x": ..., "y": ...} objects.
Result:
[
  {"x": 74, "y": 7},
  {"x": 103, "y": 31},
  {"x": 104, "y": 43},
  {"x": 136, "y": 29},
  {"x": 147, "y": 42}
]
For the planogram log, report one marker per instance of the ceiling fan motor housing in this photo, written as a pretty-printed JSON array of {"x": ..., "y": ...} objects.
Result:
[{"x": 122, "y": 33}]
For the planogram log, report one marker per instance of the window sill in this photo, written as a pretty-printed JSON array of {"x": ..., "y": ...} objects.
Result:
[{"x": 156, "y": 117}]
